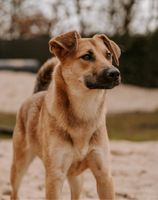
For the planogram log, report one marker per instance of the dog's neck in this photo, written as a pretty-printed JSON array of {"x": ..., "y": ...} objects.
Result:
[{"x": 86, "y": 105}]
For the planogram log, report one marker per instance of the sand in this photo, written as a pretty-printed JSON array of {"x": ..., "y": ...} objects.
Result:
[
  {"x": 134, "y": 168},
  {"x": 15, "y": 87},
  {"x": 134, "y": 165}
]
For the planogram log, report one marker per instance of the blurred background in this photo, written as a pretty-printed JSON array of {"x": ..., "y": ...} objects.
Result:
[{"x": 26, "y": 26}]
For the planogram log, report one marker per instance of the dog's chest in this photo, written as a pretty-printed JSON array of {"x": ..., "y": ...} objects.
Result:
[
  {"x": 82, "y": 146},
  {"x": 82, "y": 142}
]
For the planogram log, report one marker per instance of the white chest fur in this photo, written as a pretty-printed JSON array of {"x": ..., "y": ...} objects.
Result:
[{"x": 86, "y": 104}]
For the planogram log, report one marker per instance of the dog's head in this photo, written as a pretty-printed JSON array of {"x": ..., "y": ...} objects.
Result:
[{"x": 87, "y": 61}]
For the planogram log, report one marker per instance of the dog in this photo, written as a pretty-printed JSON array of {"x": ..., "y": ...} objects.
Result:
[{"x": 64, "y": 125}]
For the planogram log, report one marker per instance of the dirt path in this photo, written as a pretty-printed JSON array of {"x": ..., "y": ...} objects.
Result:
[
  {"x": 134, "y": 167},
  {"x": 16, "y": 87}
]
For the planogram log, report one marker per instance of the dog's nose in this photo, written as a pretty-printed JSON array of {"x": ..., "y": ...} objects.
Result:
[{"x": 113, "y": 74}]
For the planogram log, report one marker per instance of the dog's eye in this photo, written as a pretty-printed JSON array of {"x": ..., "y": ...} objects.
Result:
[
  {"x": 108, "y": 55},
  {"x": 87, "y": 57}
]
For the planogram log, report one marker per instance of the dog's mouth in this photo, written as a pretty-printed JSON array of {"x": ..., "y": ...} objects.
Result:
[
  {"x": 99, "y": 85},
  {"x": 103, "y": 80}
]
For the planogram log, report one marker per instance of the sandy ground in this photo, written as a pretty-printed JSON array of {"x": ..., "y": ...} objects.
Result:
[
  {"x": 134, "y": 167},
  {"x": 16, "y": 87}
]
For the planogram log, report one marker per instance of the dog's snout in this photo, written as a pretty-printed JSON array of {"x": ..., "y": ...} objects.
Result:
[{"x": 113, "y": 73}]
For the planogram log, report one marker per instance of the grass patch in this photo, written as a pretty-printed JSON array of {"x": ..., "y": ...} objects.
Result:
[
  {"x": 7, "y": 121},
  {"x": 133, "y": 126},
  {"x": 126, "y": 126}
]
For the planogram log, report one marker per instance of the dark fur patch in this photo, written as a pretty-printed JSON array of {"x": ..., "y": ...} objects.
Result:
[{"x": 44, "y": 76}]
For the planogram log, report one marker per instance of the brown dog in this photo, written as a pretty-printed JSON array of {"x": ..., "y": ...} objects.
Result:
[{"x": 65, "y": 125}]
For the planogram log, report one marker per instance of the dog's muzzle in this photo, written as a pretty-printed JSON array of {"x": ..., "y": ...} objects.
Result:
[{"x": 106, "y": 79}]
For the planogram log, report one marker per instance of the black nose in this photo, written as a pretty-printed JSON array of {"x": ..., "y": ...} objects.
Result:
[{"x": 113, "y": 74}]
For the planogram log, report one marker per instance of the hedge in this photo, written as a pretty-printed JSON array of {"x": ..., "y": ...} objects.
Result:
[{"x": 139, "y": 59}]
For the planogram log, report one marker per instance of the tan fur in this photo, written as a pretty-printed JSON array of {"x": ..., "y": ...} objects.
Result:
[{"x": 65, "y": 125}]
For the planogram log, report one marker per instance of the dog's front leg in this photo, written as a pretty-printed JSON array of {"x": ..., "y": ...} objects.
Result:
[
  {"x": 54, "y": 184},
  {"x": 98, "y": 161},
  {"x": 56, "y": 165},
  {"x": 76, "y": 183}
]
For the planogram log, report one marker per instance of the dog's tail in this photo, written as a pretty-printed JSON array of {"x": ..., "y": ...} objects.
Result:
[{"x": 44, "y": 75}]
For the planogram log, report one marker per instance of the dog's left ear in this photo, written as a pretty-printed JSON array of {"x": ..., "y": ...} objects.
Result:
[
  {"x": 64, "y": 44},
  {"x": 112, "y": 46}
]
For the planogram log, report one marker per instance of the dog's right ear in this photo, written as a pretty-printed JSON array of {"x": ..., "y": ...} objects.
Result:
[
  {"x": 64, "y": 44},
  {"x": 112, "y": 46}
]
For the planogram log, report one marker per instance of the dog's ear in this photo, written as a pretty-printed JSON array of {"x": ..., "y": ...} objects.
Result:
[
  {"x": 112, "y": 46},
  {"x": 64, "y": 44}
]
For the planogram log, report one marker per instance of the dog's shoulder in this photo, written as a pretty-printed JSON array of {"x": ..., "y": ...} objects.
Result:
[
  {"x": 36, "y": 99},
  {"x": 33, "y": 104}
]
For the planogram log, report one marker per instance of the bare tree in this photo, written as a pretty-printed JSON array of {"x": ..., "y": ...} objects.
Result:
[
  {"x": 153, "y": 19},
  {"x": 54, "y": 20},
  {"x": 4, "y": 20},
  {"x": 33, "y": 25},
  {"x": 15, "y": 10},
  {"x": 80, "y": 19},
  {"x": 128, "y": 10},
  {"x": 25, "y": 18},
  {"x": 121, "y": 15}
]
